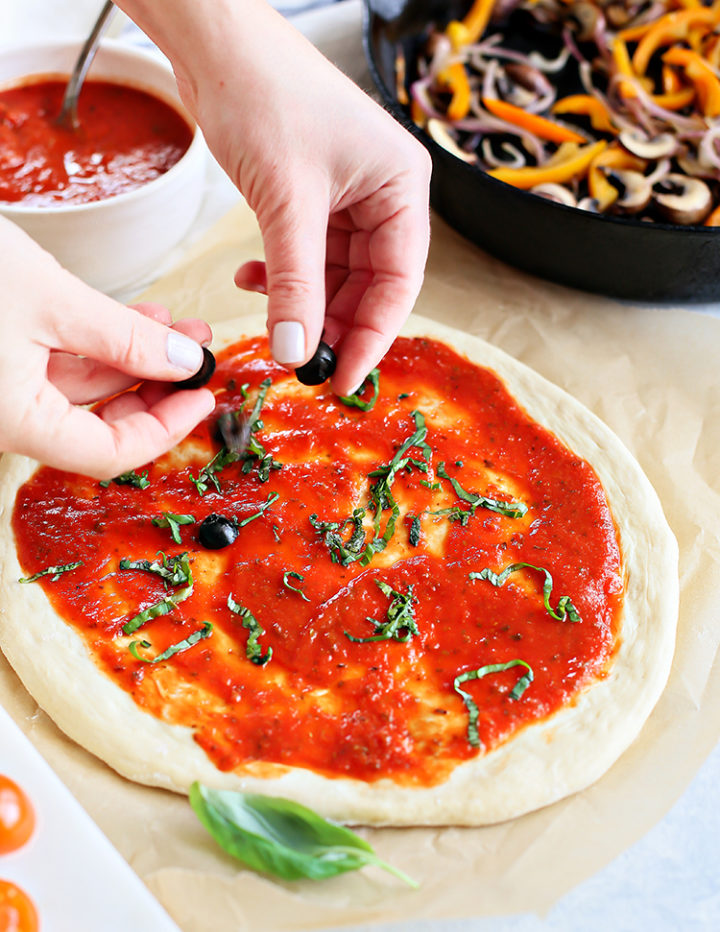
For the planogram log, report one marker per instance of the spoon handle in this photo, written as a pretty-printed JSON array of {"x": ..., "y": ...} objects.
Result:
[{"x": 68, "y": 113}]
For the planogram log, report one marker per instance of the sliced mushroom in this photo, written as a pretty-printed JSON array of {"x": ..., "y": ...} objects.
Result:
[
  {"x": 682, "y": 200},
  {"x": 635, "y": 191},
  {"x": 646, "y": 147},
  {"x": 590, "y": 204},
  {"x": 442, "y": 137},
  {"x": 555, "y": 192},
  {"x": 532, "y": 79},
  {"x": 586, "y": 15},
  {"x": 692, "y": 166},
  {"x": 617, "y": 15}
]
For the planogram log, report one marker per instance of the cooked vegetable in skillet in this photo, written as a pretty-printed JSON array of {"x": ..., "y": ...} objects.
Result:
[{"x": 622, "y": 116}]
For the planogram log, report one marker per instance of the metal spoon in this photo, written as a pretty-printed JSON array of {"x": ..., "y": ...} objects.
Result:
[{"x": 68, "y": 117}]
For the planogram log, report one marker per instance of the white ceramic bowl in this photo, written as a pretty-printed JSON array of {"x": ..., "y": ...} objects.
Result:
[{"x": 115, "y": 243}]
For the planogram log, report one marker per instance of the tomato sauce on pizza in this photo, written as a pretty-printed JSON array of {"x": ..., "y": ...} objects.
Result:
[{"x": 409, "y": 585}]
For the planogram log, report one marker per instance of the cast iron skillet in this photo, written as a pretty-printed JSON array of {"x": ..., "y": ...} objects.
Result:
[{"x": 620, "y": 257}]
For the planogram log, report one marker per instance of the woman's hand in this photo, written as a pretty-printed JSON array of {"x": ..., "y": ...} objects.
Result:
[
  {"x": 340, "y": 190},
  {"x": 63, "y": 345}
]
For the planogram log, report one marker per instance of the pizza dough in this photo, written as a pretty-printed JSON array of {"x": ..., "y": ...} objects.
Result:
[{"x": 542, "y": 763}]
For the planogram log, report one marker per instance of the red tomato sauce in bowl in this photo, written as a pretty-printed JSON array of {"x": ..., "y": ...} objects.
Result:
[{"x": 126, "y": 138}]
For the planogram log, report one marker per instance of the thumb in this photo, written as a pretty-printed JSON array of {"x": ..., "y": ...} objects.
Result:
[{"x": 294, "y": 237}]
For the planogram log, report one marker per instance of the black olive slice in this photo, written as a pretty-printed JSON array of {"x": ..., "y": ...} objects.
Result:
[
  {"x": 203, "y": 375},
  {"x": 217, "y": 531},
  {"x": 319, "y": 368}
]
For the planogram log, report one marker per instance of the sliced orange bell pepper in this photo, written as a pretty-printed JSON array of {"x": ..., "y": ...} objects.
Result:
[
  {"x": 539, "y": 126},
  {"x": 711, "y": 52},
  {"x": 671, "y": 82},
  {"x": 675, "y": 101},
  {"x": 713, "y": 220},
  {"x": 455, "y": 79},
  {"x": 586, "y": 105},
  {"x": 703, "y": 78},
  {"x": 633, "y": 33},
  {"x": 575, "y": 163},
  {"x": 673, "y": 27},
  {"x": 612, "y": 157}
]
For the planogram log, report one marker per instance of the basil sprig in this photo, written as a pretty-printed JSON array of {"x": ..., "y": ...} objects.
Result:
[
  {"x": 341, "y": 551},
  {"x": 253, "y": 651},
  {"x": 509, "y": 509},
  {"x": 174, "y": 522},
  {"x": 272, "y": 497},
  {"x": 470, "y": 704},
  {"x": 358, "y": 548},
  {"x": 282, "y": 838},
  {"x": 207, "y": 475},
  {"x": 415, "y": 530},
  {"x": 174, "y": 571},
  {"x": 300, "y": 578},
  {"x": 185, "y": 644},
  {"x": 54, "y": 571},
  {"x": 565, "y": 608},
  {"x": 399, "y": 624},
  {"x": 129, "y": 478},
  {"x": 356, "y": 400}
]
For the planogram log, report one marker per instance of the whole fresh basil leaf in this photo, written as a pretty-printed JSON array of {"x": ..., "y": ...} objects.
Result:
[{"x": 280, "y": 837}]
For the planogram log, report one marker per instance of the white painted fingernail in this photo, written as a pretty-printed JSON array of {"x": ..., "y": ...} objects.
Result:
[
  {"x": 288, "y": 343},
  {"x": 183, "y": 353}
]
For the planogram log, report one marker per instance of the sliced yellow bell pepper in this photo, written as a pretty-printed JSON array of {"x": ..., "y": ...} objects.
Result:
[
  {"x": 418, "y": 115},
  {"x": 472, "y": 26},
  {"x": 673, "y": 27},
  {"x": 612, "y": 157},
  {"x": 454, "y": 78},
  {"x": 573, "y": 165},
  {"x": 623, "y": 65}
]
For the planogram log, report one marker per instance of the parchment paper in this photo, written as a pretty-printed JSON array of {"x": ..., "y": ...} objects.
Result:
[{"x": 651, "y": 374}]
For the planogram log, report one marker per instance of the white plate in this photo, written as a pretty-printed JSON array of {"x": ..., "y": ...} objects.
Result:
[{"x": 76, "y": 879}]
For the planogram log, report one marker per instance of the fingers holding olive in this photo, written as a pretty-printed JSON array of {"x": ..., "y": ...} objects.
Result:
[
  {"x": 318, "y": 369},
  {"x": 203, "y": 375}
]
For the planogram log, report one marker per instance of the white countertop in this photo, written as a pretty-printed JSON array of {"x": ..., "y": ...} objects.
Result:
[{"x": 670, "y": 879}]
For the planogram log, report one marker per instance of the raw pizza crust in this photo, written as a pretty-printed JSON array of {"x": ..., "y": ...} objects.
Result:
[{"x": 543, "y": 763}]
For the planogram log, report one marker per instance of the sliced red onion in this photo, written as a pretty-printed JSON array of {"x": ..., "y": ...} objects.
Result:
[
  {"x": 489, "y": 79},
  {"x": 442, "y": 53},
  {"x": 419, "y": 91},
  {"x": 708, "y": 154},
  {"x": 516, "y": 160},
  {"x": 549, "y": 65},
  {"x": 570, "y": 45}
]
